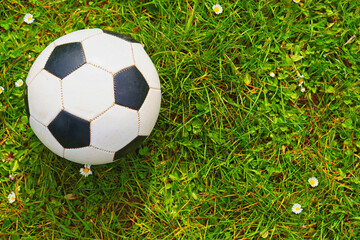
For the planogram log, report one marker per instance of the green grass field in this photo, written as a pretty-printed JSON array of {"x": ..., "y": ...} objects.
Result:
[{"x": 233, "y": 147}]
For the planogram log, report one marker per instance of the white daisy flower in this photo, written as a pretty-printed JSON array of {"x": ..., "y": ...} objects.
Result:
[
  {"x": 29, "y": 18},
  {"x": 12, "y": 197},
  {"x": 272, "y": 74},
  {"x": 313, "y": 181},
  {"x": 85, "y": 171},
  {"x": 264, "y": 234},
  {"x": 19, "y": 83},
  {"x": 1, "y": 90},
  {"x": 217, "y": 9},
  {"x": 297, "y": 208},
  {"x": 302, "y": 89},
  {"x": 296, "y": 1}
]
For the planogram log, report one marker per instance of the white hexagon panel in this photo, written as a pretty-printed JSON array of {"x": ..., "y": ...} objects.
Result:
[
  {"x": 149, "y": 112},
  {"x": 108, "y": 52},
  {"x": 44, "y": 96},
  {"x": 145, "y": 66},
  {"x": 77, "y": 36},
  {"x": 115, "y": 128},
  {"x": 39, "y": 63},
  {"x": 88, "y": 91},
  {"x": 45, "y": 136},
  {"x": 89, "y": 155}
]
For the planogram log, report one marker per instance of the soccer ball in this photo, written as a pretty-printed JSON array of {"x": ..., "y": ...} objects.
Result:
[{"x": 93, "y": 96}]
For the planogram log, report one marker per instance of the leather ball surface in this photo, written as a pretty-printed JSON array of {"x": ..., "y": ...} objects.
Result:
[{"x": 93, "y": 96}]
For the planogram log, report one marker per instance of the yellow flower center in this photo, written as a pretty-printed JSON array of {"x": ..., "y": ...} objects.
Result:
[
  {"x": 1, "y": 90},
  {"x": 29, "y": 18},
  {"x": 86, "y": 170},
  {"x": 312, "y": 182},
  {"x": 216, "y": 9},
  {"x": 13, "y": 198},
  {"x": 297, "y": 209}
]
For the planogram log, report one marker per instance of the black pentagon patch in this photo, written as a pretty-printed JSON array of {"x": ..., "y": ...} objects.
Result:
[
  {"x": 70, "y": 131},
  {"x": 130, "y": 87},
  {"x": 130, "y": 147},
  {"x": 122, "y": 36},
  {"x": 65, "y": 58}
]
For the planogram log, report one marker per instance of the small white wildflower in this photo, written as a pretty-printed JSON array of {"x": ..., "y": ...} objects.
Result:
[
  {"x": 302, "y": 76},
  {"x": 217, "y": 9},
  {"x": 29, "y": 18},
  {"x": 302, "y": 89},
  {"x": 1, "y": 90},
  {"x": 19, "y": 83},
  {"x": 272, "y": 74},
  {"x": 264, "y": 234},
  {"x": 296, "y": 1},
  {"x": 296, "y": 208},
  {"x": 86, "y": 171},
  {"x": 313, "y": 181},
  {"x": 12, "y": 197}
]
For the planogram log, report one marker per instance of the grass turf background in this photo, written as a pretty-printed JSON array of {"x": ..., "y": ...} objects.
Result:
[{"x": 233, "y": 147}]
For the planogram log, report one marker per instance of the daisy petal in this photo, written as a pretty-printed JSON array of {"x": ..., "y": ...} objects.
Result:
[
  {"x": 313, "y": 181},
  {"x": 264, "y": 234},
  {"x": 217, "y": 9},
  {"x": 19, "y": 83},
  {"x": 296, "y": 208},
  {"x": 29, "y": 18},
  {"x": 12, "y": 197},
  {"x": 85, "y": 171}
]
